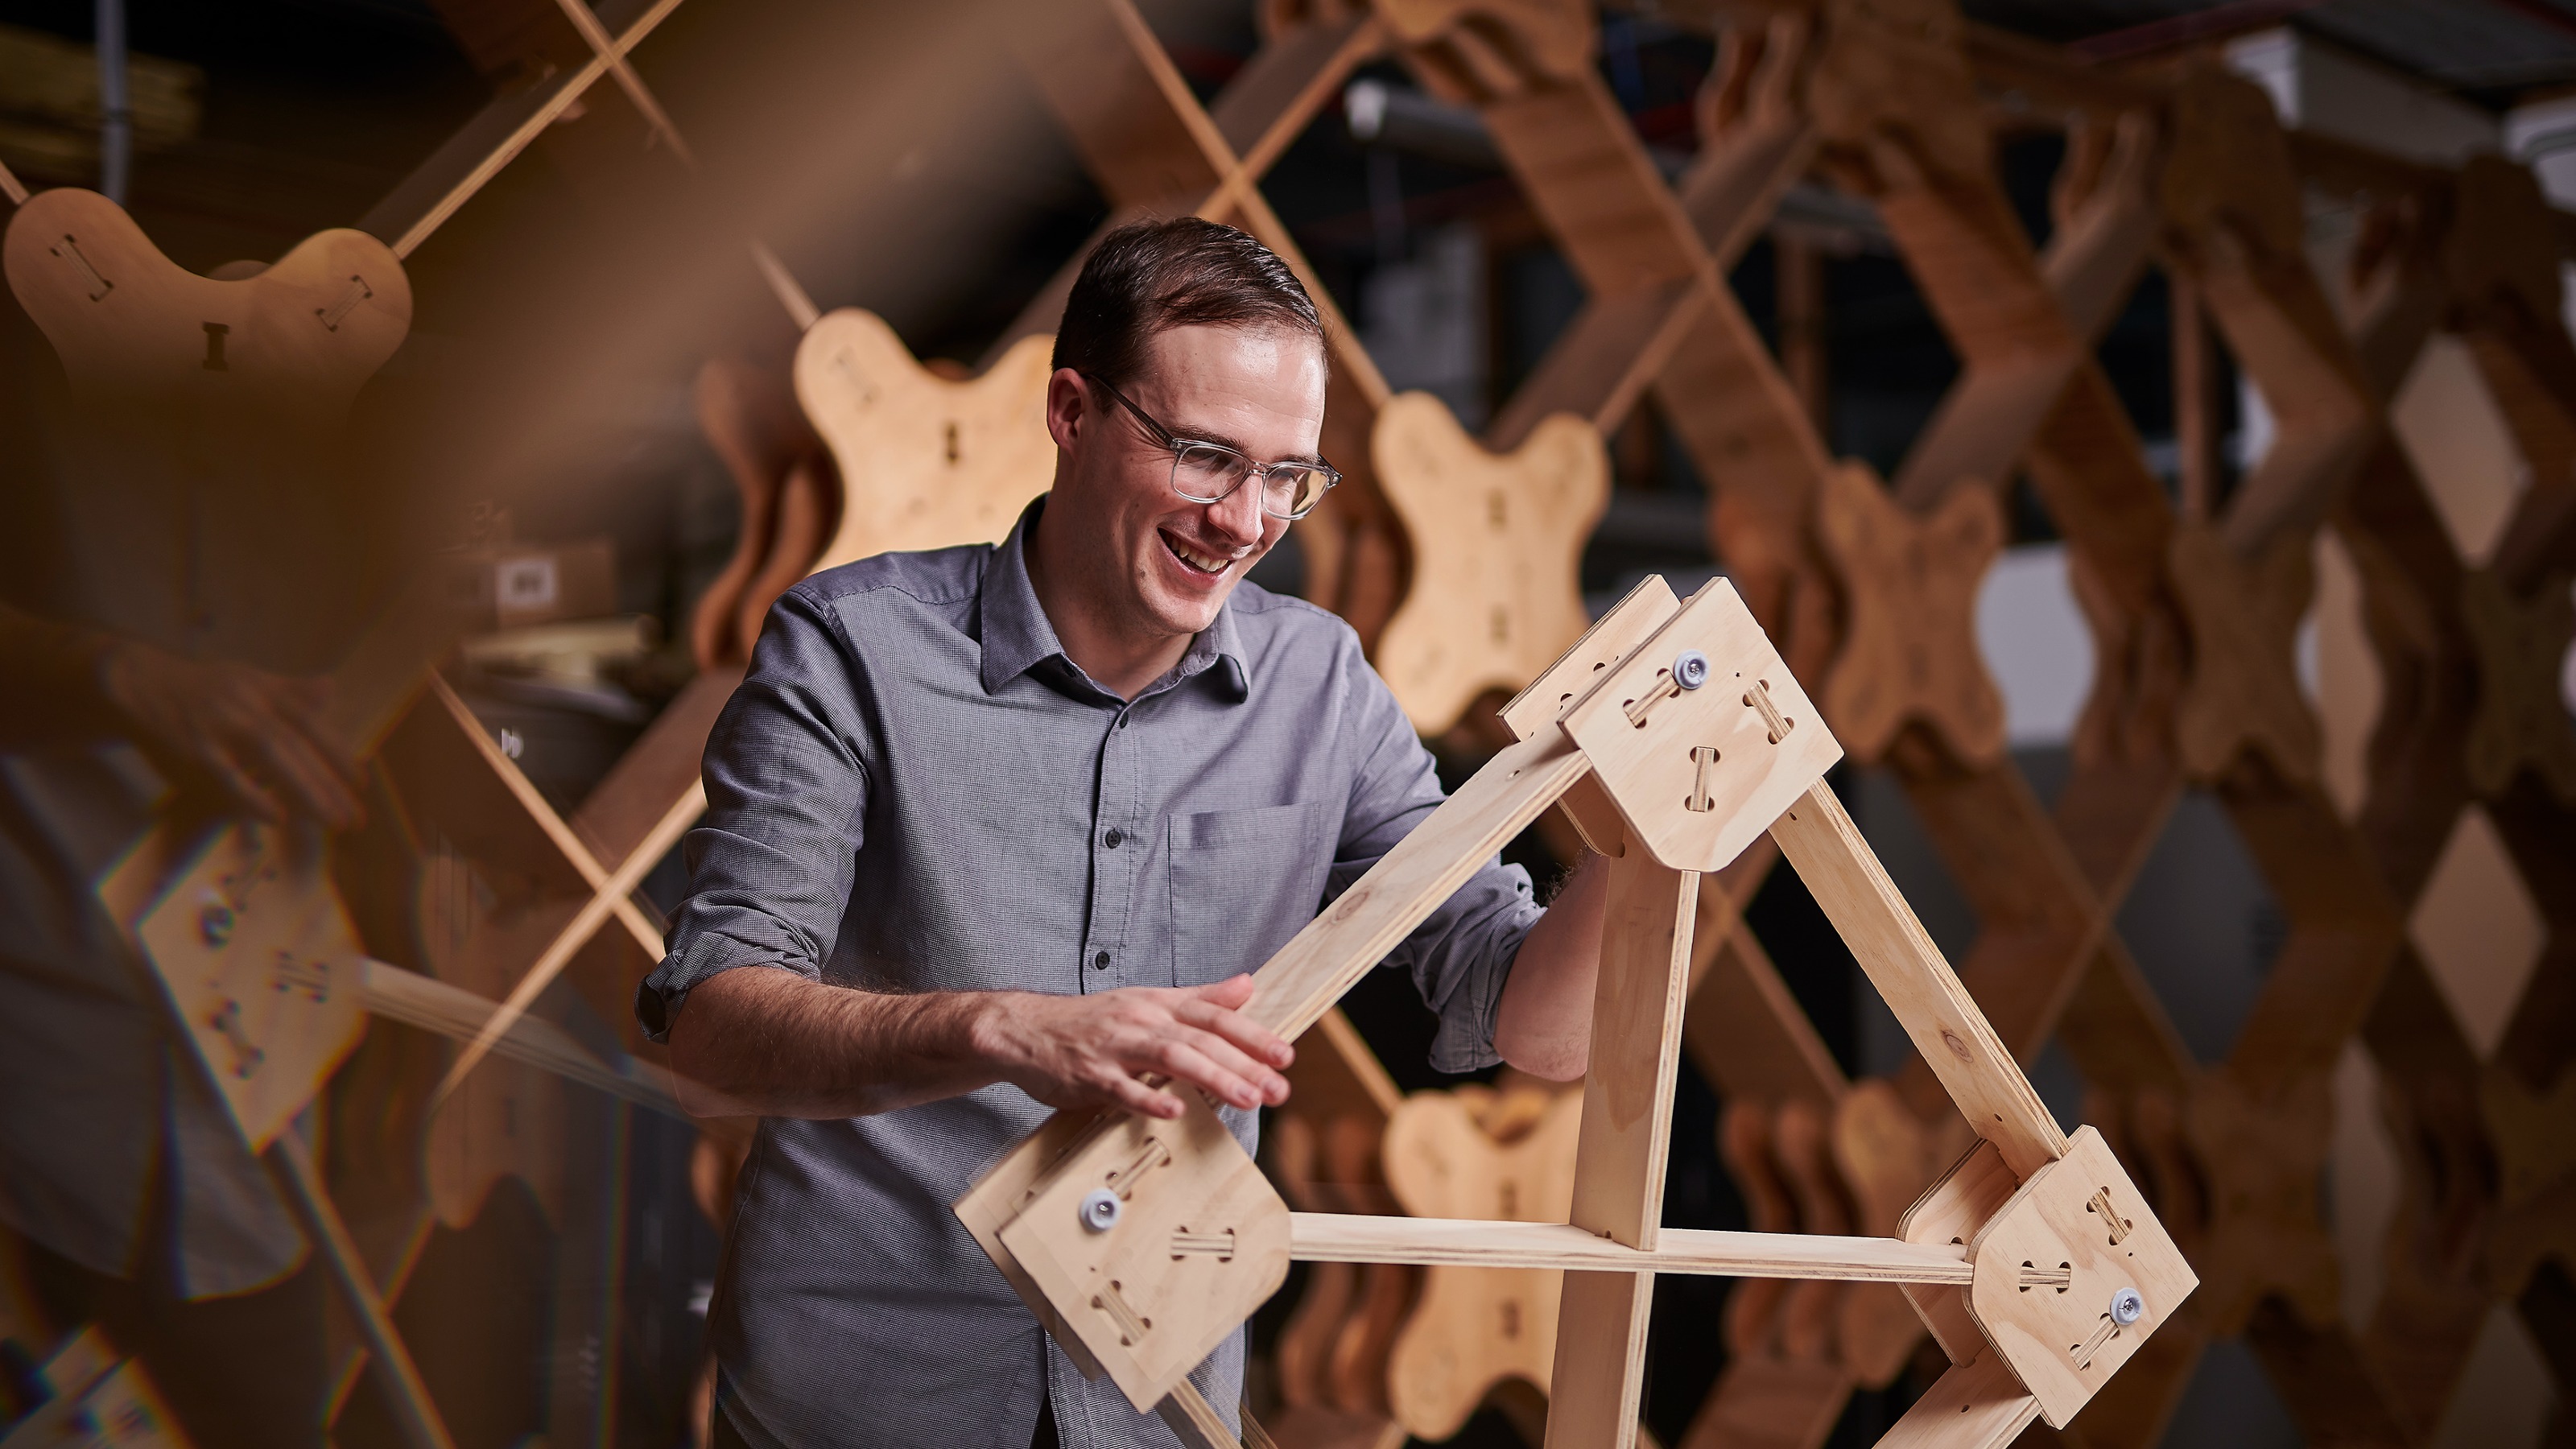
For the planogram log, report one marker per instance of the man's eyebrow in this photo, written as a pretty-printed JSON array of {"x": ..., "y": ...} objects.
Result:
[{"x": 1186, "y": 435}]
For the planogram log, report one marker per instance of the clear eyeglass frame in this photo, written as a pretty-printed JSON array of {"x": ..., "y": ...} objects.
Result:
[{"x": 1205, "y": 472}]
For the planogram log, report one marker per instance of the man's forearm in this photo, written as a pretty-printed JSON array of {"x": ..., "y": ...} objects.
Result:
[
  {"x": 1543, "y": 1025},
  {"x": 767, "y": 1041}
]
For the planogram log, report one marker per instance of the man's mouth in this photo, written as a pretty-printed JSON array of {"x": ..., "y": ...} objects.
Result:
[{"x": 1192, "y": 559}]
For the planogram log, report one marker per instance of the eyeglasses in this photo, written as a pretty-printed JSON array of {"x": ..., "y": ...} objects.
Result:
[{"x": 1205, "y": 472}]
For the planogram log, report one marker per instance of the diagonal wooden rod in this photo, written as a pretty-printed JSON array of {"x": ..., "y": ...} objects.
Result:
[
  {"x": 791, "y": 295},
  {"x": 525, "y": 132},
  {"x": 596, "y": 36},
  {"x": 1235, "y": 192},
  {"x": 12, "y": 187},
  {"x": 433, "y": 1005},
  {"x": 593, "y": 874},
  {"x": 415, "y": 1413},
  {"x": 574, "y": 936}
]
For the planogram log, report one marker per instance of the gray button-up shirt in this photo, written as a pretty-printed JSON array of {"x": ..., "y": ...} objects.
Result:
[{"x": 915, "y": 790}]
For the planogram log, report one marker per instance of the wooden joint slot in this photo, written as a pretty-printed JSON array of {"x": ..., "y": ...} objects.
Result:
[
  {"x": 2061, "y": 1277},
  {"x": 247, "y": 1055},
  {"x": 2117, "y": 1225},
  {"x": 312, "y": 978},
  {"x": 1153, "y": 1154},
  {"x": 1131, "y": 1325},
  {"x": 1758, "y": 699},
  {"x": 1219, "y": 1246},
  {"x": 1665, "y": 688},
  {"x": 1702, "y": 757},
  {"x": 70, "y": 251},
  {"x": 338, "y": 312},
  {"x": 2103, "y": 1333}
]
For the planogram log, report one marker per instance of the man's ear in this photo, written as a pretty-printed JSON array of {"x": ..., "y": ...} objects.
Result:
[{"x": 1067, "y": 408}]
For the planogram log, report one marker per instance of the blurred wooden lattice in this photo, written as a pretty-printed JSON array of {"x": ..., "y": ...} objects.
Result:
[{"x": 2042, "y": 405}]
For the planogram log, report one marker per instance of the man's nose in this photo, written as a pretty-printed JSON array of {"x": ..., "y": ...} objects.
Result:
[{"x": 1238, "y": 514}]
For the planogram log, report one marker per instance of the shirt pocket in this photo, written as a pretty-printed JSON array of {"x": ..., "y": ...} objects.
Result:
[{"x": 1242, "y": 883}]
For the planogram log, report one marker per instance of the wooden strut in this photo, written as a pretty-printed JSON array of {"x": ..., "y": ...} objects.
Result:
[{"x": 1125, "y": 1304}]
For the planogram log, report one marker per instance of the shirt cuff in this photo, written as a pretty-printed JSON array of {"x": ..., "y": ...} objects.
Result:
[
  {"x": 1464, "y": 1041},
  {"x": 660, "y": 996}
]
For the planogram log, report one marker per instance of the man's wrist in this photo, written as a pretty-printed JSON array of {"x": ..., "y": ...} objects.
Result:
[{"x": 984, "y": 1030}]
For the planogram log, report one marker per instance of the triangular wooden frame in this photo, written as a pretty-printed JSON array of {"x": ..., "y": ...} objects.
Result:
[{"x": 2036, "y": 1263}]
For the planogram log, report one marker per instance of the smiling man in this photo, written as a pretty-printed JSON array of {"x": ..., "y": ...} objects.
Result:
[{"x": 1004, "y": 827}]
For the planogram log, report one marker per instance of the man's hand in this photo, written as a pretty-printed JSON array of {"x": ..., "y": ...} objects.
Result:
[
  {"x": 259, "y": 735},
  {"x": 1082, "y": 1051},
  {"x": 774, "y": 1043}
]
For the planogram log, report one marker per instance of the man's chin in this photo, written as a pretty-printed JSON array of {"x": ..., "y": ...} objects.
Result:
[{"x": 1189, "y": 614}]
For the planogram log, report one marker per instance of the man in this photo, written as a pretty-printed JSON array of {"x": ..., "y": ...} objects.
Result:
[{"x": 1008, "y": 824}]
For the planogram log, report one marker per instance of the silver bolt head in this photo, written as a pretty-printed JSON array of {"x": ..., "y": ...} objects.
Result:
[
  {"x": 1690, "y": 669},
  {"x": 2127, "y": 1307},
  {"x": 1100, "y": 1209},
  {"x": 215, "y": 923}
]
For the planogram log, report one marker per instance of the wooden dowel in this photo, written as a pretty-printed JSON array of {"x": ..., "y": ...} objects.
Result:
[
  {"x": 647, "y": 935},
  {"x": 1189, "y": 1415},
  {"x": 596, "y": 36},
  {"x": 575, "y": 935},
  {"x": 407, "y": 238},
  {"x": 415, "y": 1414},
  {"x": 790, "y": 293},
  {"x": 450, "y": 1011},
  {"x": 1469, "y": 1243}
]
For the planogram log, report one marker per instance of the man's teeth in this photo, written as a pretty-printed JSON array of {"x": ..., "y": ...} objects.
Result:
[{"x": 1202, "y": 562}]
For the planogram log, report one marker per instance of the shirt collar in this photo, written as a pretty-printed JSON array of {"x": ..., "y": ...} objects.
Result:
[{"x": 1018, "y": 636}]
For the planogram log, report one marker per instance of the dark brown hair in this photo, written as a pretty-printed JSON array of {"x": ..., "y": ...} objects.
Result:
[{"x": 1149, "y": 276}]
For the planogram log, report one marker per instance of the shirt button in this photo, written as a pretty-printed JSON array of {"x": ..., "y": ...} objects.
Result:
[
  {"x": 1100, "y": 962},
  {"x": 1112, "y": 838}
]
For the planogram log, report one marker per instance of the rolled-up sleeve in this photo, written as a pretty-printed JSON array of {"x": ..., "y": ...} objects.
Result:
[
  {"x": 1462, "y": 952},
  {"x": 786, "y": 775}
]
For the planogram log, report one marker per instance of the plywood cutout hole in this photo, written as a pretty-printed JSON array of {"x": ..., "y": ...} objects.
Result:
[
  {"x": 1148, "y": 1157},
  {"x": 70, "y": 251},
  {"x": 2117, "y": 1225},
  {"x": 1219, "y": 1246},
  {"x": 338, "y": 312}
]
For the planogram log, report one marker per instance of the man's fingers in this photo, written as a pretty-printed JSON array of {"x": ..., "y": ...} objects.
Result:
[
  {"x": 318, "y": 788},
  {"x": 309, "y": 703},
  {"x": 243, "y": 787},
  {"x": 1269, "y": 1085},
  {"x": 1230, "y": 993},
  {"x": 1255, "y": 1040},
  {"x": 1186, "y": 1061},
  {"x": 1147, "y": 1101}
]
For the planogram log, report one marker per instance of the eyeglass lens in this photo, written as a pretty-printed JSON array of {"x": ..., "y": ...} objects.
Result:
[{"x": 1205, "y": 474}]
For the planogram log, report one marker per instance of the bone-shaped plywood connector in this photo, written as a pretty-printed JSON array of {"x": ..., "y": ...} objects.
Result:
[{"x": 1103, "y": 1223}]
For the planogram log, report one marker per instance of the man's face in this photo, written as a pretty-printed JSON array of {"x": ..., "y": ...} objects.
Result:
[{"x": 1165, "y": 563}]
